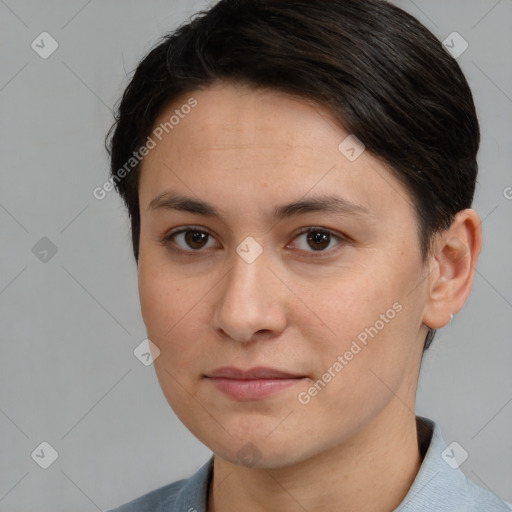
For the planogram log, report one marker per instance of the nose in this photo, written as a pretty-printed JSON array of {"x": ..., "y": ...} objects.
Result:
[{"x": 251, "y": 301}]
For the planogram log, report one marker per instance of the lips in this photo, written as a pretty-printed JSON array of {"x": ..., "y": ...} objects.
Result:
[
  {"x": 253, "y": 384},
  {"x": 261, "y": 372}
]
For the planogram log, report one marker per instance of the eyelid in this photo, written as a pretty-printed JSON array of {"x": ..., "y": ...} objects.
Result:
[{"x": 342, "y": 239}]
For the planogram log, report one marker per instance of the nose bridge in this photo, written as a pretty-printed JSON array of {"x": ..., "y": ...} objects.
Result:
[{"x": 249, "y": 301}]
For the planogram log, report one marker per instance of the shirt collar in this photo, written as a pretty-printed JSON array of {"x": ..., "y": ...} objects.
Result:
[
  {"x": 438, "y": 485},
  {"x": 435, "y": 474}
]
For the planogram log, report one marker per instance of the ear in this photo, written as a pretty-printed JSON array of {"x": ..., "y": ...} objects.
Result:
[{"x": 452, "y": 268}]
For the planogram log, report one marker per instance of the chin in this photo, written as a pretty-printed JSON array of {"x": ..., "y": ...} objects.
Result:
[{"x": 258, "y": 453}]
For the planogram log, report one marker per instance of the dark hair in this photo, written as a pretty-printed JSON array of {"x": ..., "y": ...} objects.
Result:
[{"x": 387, "y": 79}]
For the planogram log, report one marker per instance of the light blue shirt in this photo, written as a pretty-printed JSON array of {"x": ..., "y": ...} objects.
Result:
[{"x": 439, "y": 486}]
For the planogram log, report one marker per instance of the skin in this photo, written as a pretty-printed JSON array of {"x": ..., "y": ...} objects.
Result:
[{"x": 246, "y": 151}]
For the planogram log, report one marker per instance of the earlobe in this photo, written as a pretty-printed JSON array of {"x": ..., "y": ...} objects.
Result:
[{"x": 456, "y": 253}]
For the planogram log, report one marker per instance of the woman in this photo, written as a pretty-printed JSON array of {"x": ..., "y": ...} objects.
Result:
[{"x": 299, "y": 178}]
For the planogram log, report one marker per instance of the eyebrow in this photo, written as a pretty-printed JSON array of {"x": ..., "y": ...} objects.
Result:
[{"x": 325, "y": 203}]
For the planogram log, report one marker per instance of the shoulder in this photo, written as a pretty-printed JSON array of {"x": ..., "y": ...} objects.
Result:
[
  {"x": 479, "y": 498},
  {"x": 157, "y": 500},
  {"x": 440, "y": 484},
  {"x": 471, "y": 497},
  {"x": 183, "y": 495}
]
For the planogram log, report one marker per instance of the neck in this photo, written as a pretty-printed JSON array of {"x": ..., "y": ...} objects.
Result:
[{"x": 372, "y": 471}]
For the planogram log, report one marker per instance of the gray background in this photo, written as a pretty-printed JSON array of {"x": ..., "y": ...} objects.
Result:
[{"x": 70, "y": 324}]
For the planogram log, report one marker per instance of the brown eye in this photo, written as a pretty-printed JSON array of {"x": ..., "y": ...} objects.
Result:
[
  {"x": 187, "y": 240},
  {"x": 195, "y": 239},
  {"x": 317, "y": 240}
]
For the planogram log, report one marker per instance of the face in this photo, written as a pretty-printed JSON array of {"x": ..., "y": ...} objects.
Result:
[{"x": 280, "y": 278}]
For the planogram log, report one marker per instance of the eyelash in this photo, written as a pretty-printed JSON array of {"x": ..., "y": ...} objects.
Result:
[{"x": 168, "y": 238}]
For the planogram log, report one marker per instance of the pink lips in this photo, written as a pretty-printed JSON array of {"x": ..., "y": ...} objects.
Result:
[{"x": 253, "y": 384}]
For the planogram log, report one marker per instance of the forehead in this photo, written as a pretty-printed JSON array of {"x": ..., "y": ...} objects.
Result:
[{"x": 250, "y": 146}]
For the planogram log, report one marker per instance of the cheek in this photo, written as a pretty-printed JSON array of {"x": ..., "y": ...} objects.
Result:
[
  {"x": 368, "y": 317},
  {"x": 157, "y": 300},
  {"x": 163, "y": 301},
  {"x": 358, "y": 369},
  {"x": 171, "y": 324},
  {"x": 172, "y": 310},
  {"x": 162, "y": 294},
  {"x": 353, "y": 301}
]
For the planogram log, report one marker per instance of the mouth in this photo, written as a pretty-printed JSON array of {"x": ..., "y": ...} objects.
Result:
[{"x": 253, "y": 384}]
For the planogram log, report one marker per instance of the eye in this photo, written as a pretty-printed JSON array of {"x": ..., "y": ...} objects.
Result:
[
  {"x": 318, "y": 239},
  {"x": 190, "y": 237}
]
